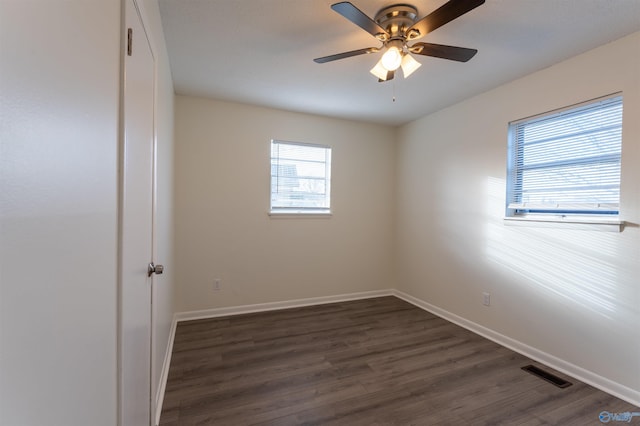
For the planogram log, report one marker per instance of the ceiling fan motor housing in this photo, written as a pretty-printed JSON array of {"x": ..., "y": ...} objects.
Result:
[{"x": 396, "y": 20}]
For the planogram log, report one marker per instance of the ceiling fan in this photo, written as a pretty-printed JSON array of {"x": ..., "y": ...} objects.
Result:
[{"x": 397, "y": 25}]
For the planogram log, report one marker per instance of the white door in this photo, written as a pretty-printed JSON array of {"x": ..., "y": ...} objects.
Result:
[{"x": 137, "y": 204}]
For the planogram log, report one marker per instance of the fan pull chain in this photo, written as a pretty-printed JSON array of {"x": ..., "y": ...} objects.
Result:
[{"x": 394, "y": 91}]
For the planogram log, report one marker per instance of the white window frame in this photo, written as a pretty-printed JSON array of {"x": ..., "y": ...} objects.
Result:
[
  {"x": 283, "y": 206},
  {"x": 581, "y": 214}
]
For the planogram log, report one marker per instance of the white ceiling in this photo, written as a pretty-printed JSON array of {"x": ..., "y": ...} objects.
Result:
[{"x": 261, "y": 52}]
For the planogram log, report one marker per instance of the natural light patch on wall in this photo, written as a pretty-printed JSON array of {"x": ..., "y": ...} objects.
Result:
[{"x": 578, "y": 266}]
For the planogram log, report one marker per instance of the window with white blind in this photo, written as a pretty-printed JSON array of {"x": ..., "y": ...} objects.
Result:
[
  {"x": 300, "y": 178},
  {"x": 567, "y": 162}
]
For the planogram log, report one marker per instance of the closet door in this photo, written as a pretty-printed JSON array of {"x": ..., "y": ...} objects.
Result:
[{"x": 136, "y": 223}]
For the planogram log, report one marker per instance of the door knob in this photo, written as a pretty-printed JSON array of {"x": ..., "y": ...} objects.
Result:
[{"x": 154, "y": 269}]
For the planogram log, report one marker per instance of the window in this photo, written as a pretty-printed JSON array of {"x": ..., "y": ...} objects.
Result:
[
  {"x": 567, "y": 163},
  {"x": 300, "y": 178}
]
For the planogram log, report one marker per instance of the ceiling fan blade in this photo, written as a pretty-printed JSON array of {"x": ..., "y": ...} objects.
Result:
[
  {"x": 444, "y": 14},
  {"x": 346, "y": 55},
  {"x": 454, "y": 53},
  {"x": 358, "y": 17}
]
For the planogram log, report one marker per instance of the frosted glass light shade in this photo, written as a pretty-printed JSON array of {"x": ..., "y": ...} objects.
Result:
[
  {"x": 391, "y": 59},
  {"x": 379, "y": 71},
  {"x": 409, "y": 65}
]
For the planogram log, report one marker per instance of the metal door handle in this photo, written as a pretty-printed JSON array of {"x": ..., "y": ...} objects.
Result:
[{"x": 154, "y": 269}]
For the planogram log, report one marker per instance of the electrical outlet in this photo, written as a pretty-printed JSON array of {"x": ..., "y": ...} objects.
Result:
[
  {"x": 216, "y": 284},
  {"x": 486, "y": 299}
]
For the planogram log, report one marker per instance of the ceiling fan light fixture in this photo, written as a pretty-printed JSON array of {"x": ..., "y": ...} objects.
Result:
[
  {"x": 409, "y": 65},
  {"x": 395, "y": 25}
]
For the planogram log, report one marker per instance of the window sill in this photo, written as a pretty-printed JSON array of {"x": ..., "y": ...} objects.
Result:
[
  {"x": 310, "y": 214},
  {"x": 577, "y": 222}
]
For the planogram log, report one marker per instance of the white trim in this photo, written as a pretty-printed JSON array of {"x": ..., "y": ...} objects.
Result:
[
  {"x": 560, "y": 111},
  {"x": 312, "y": 214},
  {"x": 567, "y": 222},
  {"x": 311, "y": 145},
  {"x": 616, "y": 389},
  {"x": 272, "y": 306},
  {"x": 164, "y": 375}
]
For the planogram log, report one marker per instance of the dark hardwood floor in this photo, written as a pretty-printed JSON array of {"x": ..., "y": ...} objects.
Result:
[{"x": 377, "y": 361}]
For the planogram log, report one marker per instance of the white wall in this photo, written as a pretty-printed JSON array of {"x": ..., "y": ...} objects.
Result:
[
  {"x": 59, "y": 80},
  {"x": 572, "y": 295},
  {"x": 222, "y": 201},
  {"x": 60, "y": 85}
]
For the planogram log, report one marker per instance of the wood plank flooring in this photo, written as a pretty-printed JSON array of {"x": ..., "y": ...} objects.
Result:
[{"x": 377, "y": 361}]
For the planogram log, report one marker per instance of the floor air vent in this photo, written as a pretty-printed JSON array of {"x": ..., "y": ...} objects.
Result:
[{"x": 544, "y": 375}]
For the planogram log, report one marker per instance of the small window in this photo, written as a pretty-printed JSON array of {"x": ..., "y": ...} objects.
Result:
[
  {"x": 567, "y": 162},
  {"x": 300, "y": 178}
]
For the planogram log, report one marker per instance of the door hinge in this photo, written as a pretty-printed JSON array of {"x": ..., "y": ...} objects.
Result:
[{"x": 129, "y": 41}]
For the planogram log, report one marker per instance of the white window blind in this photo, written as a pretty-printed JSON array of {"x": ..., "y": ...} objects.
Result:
[
  {"x": 300, "y": 178},
  {"x": 568, "y": 161}
]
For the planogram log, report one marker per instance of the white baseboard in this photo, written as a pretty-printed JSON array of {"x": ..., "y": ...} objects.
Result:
[
  {"x": 272, "y": 306},
  {"x": 164, "y": 375},
  {"x": 616, "y": 389}
]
